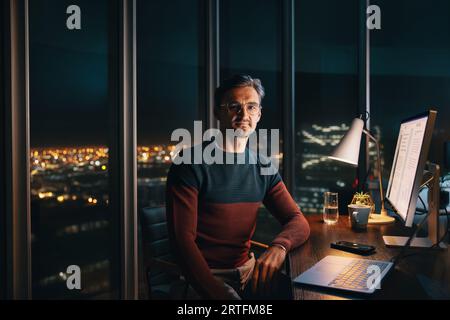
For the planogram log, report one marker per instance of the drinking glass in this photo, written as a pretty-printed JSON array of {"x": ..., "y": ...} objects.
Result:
[{"x": 330, "y": 208}]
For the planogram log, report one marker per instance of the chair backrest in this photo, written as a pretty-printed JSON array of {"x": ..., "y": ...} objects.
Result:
[{"x": 156, "y": 244}]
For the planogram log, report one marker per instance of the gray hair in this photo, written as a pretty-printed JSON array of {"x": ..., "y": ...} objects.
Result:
[{"x": 238, "y": 81}]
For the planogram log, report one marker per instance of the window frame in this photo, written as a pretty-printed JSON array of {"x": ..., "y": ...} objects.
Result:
[
  {"x": 3, "y": 278},
  {"x": 17, "y": 219}
]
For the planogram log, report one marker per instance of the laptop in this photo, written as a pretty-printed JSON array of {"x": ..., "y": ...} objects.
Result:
[{"x": 344, "y": 273}]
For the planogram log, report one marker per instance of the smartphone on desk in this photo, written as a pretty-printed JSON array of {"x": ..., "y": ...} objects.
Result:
[{"x": 353, "y": 247}]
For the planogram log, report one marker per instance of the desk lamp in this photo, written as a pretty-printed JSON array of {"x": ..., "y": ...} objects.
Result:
[{"x": 347, "y": 151}]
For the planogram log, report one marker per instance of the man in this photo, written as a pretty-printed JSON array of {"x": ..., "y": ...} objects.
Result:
[{"x": 212, "y": 208}]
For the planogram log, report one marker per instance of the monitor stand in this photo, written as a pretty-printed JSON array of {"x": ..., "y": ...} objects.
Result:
[{"x": 433, "y": 218}]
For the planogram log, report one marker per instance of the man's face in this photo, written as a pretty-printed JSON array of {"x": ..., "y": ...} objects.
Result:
[{"x": 242, "y": 119}]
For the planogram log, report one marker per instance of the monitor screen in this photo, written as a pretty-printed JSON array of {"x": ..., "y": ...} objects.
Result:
[{"x": 408, "y": 165}]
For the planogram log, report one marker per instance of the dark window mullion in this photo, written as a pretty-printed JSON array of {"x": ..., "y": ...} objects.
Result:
[
  {"x": 288, "y": 70},
  {"x": 364, "y": 87},
  {"x": 127, "y": 148},
  {"x": 2, "y": 158},
  {"x": 212, "y": 58},
  {"x": 17, "y": 174},
  {"x": 123, "y": 180}
]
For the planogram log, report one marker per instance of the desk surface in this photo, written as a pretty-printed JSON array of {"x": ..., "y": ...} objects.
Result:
[{"x": 424, "y": 275}]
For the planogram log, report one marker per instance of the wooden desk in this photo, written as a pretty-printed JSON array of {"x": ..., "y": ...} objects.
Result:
[{"x": 425, "y": 275}]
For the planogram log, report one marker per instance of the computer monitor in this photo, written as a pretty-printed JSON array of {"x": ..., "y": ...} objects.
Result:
[{"x": 410, "y": 157}]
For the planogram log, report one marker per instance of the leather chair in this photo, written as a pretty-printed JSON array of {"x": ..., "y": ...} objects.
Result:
[{"x": 159, "y": 264}]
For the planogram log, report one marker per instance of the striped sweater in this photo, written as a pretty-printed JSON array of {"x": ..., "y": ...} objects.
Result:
[{"x": 212, "y": 211}]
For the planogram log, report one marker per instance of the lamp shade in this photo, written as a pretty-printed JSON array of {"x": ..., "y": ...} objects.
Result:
[{"x": 348, "y": 148}]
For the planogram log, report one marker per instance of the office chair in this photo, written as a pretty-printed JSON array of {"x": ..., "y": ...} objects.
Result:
[{"x": 160, "y": 267}]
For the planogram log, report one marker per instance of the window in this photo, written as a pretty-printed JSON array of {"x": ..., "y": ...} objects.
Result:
[
  {"x": 326, "y": 46},
  {"x": 170, "y": 79},
  {"x": 410, "y": 72},
  {"x": 69, "y": 120},
  {"x": 250, "y": 43},
  {"x": 169, "y": 86}
]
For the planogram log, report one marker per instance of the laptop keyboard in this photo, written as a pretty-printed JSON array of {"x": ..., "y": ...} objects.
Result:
[{"x": 355, "y": 275}]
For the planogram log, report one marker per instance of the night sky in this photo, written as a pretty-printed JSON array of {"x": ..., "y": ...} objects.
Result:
[
  {"x": 69, "y": 69},
  {"x": 68, "y": 74}
]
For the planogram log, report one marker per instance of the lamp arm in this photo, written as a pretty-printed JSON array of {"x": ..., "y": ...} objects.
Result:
[{"x": 377, "y": 144}]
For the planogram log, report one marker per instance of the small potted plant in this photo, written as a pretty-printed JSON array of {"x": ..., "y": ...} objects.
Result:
[{"x": 363, "y": 198}]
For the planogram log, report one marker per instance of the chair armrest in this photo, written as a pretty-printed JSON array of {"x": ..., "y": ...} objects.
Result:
[{"x": 259, "y": 244}]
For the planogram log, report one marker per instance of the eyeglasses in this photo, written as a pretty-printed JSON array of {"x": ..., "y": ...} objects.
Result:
[{"x": 235, "y": 107}]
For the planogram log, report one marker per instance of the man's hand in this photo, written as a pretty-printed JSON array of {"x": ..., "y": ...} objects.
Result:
[{"x": 266, "y": 269}]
